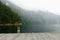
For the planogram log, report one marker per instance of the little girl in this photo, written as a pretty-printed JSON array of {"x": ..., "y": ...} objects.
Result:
[{"x": 18, "y": 29}]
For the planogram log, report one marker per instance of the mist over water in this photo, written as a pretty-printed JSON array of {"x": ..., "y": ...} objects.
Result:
[
  {"x": 40, "y": 21},
  {"x": 37, "y": 21}
]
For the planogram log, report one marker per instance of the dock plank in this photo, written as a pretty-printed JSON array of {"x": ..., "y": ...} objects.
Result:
[{"x": 30, "y": 36}]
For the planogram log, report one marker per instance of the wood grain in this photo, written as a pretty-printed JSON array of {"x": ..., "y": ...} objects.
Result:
[{"x": 30, "y": 36}]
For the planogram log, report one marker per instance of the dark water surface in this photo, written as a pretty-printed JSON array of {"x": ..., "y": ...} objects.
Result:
[{"x": 41, "y": 28}]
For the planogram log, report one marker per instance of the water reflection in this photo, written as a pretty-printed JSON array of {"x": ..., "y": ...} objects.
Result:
[{"x": 42, "y": 28}]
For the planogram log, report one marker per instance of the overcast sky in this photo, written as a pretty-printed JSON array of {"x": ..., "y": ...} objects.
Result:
[{"x": 46, "y": 5}]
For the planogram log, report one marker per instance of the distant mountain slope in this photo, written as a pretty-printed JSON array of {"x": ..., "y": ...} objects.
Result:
[{"x": 39, "y": 17}]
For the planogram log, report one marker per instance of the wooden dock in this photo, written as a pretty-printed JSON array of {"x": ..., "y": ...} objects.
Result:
[{"x": 30, "y": 36}]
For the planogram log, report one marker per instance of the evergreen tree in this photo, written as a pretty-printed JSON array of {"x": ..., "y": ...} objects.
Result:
[{"x": 7, "y": 15}]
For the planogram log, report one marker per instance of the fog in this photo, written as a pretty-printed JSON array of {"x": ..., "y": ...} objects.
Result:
[
  {"x": 40, "y": 21},
  {"x": 37, "y": 20},
  {"x": 45, "y": 5}
]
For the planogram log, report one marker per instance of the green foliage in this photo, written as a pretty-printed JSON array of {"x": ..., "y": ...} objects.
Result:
[{"x": 8, "y": 16}]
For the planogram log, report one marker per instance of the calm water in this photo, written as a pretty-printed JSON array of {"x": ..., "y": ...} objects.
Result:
[
  {"x": 41, "y": 28},
  {"x": 39, "y": 22}
]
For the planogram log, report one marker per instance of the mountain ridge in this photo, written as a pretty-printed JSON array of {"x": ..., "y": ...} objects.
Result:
[{"x": 35, "y": 17}]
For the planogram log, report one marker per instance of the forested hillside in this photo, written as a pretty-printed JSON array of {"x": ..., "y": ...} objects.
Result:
[
  {"x": 7, "y": 15},
  {"x": 34, "y": 21}
]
